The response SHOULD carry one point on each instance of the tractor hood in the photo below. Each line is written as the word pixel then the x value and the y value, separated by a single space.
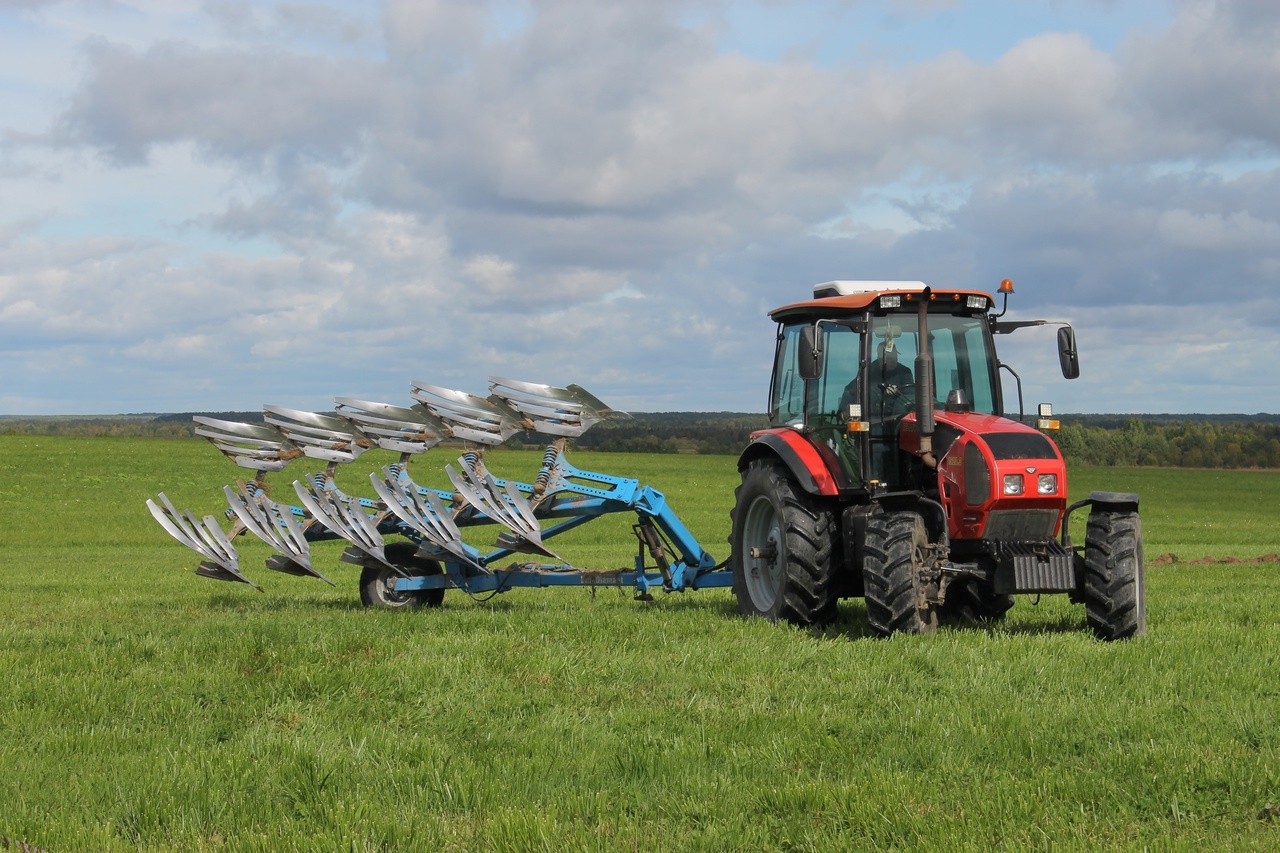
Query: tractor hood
pixel 952 425
pixel 997 478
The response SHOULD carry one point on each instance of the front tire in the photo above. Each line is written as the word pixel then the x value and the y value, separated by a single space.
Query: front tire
pixel 373 580
pixel 896 558
pixel 1115 582
pixel 781 549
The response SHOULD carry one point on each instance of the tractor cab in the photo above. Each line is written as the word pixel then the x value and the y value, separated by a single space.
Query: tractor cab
pixel 865 360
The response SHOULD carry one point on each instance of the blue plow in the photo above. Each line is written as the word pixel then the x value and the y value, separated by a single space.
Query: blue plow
pixel 428 554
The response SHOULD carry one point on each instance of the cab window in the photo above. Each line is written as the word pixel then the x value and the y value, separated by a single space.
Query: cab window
pixel 836 389
pixel 786 399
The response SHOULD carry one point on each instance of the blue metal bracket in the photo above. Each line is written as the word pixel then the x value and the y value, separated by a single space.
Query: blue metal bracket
pixel 572 497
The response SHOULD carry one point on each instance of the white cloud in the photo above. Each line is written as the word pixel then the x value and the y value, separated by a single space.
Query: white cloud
pixel 1235 232
pixel 246 105
pixel 262 200
pixel 1208 82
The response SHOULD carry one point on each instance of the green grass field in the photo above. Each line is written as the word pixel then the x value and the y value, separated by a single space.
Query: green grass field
pixel 143 708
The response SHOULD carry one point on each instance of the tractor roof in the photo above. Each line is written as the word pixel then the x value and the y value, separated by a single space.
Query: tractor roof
pixel 840 298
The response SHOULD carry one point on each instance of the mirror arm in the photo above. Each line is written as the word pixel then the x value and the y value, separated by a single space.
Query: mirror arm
pixel 1018 379
pixel 1013 325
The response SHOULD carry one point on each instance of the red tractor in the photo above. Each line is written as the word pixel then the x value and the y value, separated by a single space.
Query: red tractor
pixel 891 470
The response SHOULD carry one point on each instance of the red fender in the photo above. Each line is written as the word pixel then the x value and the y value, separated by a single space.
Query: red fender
pixel 816 472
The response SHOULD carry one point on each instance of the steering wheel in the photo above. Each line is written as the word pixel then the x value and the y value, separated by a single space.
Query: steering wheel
pixel 899 403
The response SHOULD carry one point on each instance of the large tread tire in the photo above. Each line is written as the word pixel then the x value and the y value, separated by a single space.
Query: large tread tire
pixel 970 602
pixel 373 580
pixel 1115 582
pixel 781 549
pixel 894 552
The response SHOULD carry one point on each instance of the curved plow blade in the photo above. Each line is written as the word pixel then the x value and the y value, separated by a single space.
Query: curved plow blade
pixel 277 526
pixel 424 512
pixel 345 517
pixel 261 447
pixel 320 435
pixel 479 419
pixel 205 537
pixel 506 506
pixel 413 430
pixel 554 411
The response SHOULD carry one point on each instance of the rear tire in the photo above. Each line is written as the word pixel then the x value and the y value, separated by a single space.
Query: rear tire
pixel 895 558
pixel 1115 582
pixel 781 550
pixel 373 580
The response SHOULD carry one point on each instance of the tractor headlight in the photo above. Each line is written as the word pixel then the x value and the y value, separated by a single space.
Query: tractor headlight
pixel 1047 484
pixel 1013 484
pixel 976 302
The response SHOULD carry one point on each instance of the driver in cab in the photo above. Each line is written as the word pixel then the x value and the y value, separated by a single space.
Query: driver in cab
pixel 892 384
pixel 891 381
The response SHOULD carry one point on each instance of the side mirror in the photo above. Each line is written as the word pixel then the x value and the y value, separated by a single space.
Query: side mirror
pixel 1068 358
pixel 810 353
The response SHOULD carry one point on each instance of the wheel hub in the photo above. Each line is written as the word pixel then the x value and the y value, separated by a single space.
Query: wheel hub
pixel 769 551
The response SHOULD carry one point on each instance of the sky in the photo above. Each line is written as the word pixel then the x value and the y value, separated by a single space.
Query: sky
pixel 210 206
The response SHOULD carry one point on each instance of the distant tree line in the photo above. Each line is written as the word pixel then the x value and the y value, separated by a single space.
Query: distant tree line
pixel 1188 444
pixel 122 426
pixel 668 432
pixel 1190 441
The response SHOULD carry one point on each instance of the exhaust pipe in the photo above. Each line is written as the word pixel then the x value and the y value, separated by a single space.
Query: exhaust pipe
pixel 924 384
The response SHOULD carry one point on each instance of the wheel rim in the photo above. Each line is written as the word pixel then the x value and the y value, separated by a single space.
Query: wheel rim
pixel 388 596
pixel 920 556
pixel 763 554
pixel 919 547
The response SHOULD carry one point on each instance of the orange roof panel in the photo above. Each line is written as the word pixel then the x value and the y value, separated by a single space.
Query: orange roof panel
pixel 862 297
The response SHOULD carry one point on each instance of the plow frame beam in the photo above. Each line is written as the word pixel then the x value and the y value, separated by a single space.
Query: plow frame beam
pixel 576 497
